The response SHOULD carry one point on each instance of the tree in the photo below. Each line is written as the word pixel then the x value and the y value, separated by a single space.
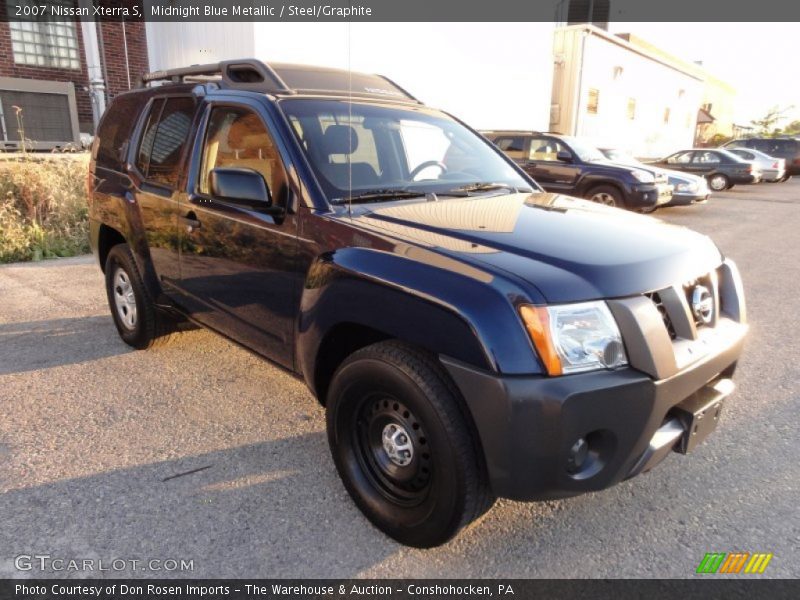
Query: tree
pixel 767 124
pixel 792 128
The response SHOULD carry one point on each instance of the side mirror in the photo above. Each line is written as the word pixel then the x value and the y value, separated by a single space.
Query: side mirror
pixel 242 186
pixel 564 156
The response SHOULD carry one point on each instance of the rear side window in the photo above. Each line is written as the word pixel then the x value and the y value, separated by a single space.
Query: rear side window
pixel 513 146
pixel 115 130
pixel 164 139
pixel 784 147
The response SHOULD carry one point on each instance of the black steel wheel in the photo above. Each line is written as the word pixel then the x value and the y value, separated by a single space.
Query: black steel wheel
pixel 405 445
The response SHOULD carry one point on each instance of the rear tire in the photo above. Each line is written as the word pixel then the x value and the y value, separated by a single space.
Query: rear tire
pixel 719 182
pixel 138 322
pixel 405 446
pixel 607 195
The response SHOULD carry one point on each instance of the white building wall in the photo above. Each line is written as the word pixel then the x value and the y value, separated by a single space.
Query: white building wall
pixel 492 76
pixel 654 87
pixel 171 45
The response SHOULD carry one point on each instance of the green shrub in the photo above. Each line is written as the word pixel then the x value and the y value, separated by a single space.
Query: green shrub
pixel 43 207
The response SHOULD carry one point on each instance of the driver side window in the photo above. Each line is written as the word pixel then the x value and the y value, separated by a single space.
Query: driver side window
pixel 236 137
pixel 545 149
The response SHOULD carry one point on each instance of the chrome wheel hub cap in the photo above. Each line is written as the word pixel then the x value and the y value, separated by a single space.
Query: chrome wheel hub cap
pixel 397 444
pixel 124 299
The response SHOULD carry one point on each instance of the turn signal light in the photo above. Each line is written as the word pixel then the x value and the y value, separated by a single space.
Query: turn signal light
pixel 536 321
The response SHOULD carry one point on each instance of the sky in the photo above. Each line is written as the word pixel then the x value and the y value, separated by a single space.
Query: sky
pixel 759 59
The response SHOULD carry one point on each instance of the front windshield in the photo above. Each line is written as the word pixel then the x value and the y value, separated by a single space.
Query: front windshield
pixel 357 149
pixel 586 152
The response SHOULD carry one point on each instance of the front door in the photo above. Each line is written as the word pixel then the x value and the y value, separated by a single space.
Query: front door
pixel 238 265
pixel 158 161
pixel 543 165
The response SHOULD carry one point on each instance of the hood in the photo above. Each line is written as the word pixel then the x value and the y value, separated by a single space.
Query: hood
pixel 568 249
pixel 659 173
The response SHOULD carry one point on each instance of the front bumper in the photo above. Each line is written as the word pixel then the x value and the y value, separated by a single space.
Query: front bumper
pixel 686 198
pixel 649 195
pixel 529 425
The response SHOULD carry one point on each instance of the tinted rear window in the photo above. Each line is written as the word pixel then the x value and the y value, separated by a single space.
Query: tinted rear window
pixel 115 131
pixel 164 139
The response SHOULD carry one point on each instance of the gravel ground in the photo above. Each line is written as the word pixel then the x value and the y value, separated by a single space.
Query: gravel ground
pixel 201 451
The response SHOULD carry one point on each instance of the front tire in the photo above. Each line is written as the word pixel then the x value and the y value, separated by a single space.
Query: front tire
pixel 607 195
pixel 719 182
pixel 404 445
pixel 138 322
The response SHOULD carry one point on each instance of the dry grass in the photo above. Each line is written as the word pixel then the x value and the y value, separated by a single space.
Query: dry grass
pixel 43 208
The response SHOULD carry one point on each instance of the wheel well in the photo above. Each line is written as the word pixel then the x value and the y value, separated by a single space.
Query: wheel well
pixel 339 343
pixel 107 239
pixel 590 187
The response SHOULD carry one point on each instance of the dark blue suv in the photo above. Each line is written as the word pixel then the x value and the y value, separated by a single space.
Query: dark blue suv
pixel 569 165
pixel 470 336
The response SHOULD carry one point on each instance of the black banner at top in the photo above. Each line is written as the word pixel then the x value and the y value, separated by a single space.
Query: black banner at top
pixel 560 11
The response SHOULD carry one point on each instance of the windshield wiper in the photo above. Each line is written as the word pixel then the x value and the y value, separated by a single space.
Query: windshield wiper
pixel 378 195
pixel 482 186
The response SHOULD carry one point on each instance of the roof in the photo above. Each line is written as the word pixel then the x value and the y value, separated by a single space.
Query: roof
pixel 284 79
pixel 704 116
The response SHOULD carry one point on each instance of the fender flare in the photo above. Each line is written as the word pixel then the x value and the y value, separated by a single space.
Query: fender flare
pixel 446 307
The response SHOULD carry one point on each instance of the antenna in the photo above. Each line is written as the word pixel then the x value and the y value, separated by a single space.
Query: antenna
pixel 351 131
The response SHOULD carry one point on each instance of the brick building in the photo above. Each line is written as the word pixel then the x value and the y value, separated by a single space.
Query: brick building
pixel 62 75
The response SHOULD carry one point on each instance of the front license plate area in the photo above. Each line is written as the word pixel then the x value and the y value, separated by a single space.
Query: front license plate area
pixel 699 415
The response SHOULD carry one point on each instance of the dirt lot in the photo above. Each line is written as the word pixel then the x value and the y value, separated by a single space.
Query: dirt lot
pixel 202 452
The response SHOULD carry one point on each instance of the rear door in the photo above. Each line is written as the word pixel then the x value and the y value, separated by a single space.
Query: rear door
pixel 705 162
pixel 156 177
pixel 238 266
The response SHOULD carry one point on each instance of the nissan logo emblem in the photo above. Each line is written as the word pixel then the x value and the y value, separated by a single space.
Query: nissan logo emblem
pixel 702 304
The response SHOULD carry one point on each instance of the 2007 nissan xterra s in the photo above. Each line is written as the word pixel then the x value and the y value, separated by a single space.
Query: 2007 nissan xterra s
pixel 470 335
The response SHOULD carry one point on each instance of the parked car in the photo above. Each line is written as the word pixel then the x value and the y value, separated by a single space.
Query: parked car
pixel 721 168
pixel 772 169
pixel 469 335
pixel 569 165
pixel 785 148
pixel 686 188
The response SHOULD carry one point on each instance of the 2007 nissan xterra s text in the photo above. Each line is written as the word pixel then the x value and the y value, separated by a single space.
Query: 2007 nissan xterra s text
pixel 470 336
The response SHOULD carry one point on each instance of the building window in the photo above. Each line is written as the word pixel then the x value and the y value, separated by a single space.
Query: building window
pixel 631 108
pixel 44 43
pixel 594 99
pixel 666 116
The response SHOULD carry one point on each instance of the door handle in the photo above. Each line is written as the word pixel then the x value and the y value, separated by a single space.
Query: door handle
pixel 190 222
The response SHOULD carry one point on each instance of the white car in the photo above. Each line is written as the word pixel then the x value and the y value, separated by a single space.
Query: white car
pixel 772 169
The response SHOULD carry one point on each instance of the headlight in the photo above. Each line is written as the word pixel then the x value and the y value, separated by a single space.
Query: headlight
pixel 643 176
pixel 686 187
pixel 571 338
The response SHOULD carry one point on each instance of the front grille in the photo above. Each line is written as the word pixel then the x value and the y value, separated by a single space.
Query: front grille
pixel 662 310
pixel 675 305
pixel 688 290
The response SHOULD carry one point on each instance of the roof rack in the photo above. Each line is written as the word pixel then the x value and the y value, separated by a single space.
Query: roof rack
pixel 243 74
pixel 256 75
